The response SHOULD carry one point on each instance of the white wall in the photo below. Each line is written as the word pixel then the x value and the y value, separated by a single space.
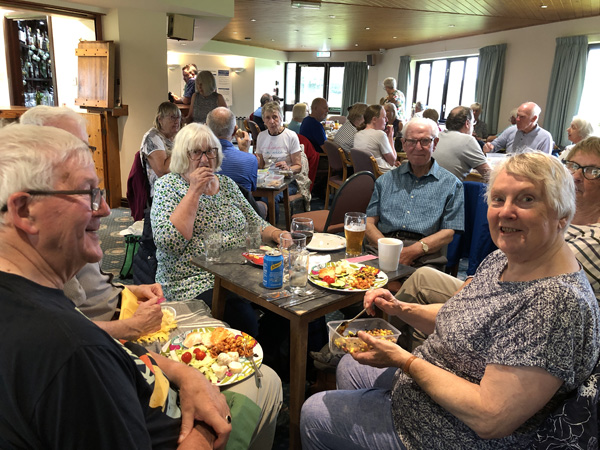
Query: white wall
pixel 139 36
pixel 529 58
pixel 267 72
pixel 66 34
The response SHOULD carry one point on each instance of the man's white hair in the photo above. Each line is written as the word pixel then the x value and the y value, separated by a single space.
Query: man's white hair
pixel 31 158
pixel 48 116
pixel 421 121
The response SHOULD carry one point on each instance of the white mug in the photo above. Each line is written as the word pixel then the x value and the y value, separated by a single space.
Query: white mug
pixel 389 253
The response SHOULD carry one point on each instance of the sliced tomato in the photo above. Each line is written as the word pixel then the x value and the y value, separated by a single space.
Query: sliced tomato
pixel 329 280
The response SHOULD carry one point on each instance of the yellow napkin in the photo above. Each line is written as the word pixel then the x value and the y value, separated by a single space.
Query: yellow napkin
pixel 129 305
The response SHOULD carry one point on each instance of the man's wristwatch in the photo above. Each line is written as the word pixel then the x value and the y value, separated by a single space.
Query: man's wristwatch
pixel 425 247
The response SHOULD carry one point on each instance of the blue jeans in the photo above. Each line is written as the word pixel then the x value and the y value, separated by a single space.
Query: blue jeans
pixel 356 416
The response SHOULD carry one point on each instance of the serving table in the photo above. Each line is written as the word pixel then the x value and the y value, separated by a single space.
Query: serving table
pixel 233 275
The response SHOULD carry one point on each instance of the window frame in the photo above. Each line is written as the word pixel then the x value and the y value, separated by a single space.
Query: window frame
pixel 287 106
pixel 449 61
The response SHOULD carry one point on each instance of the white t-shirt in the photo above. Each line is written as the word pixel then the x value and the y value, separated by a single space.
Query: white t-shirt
pixel 377 143
pixel 277 148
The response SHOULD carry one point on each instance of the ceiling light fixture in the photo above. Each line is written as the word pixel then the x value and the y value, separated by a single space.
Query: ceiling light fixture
pixel 238 69
pixel 543 6
pixel 306 4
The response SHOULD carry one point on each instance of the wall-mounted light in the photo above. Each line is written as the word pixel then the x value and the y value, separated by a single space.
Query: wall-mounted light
pixel 306 4
pixel 237 69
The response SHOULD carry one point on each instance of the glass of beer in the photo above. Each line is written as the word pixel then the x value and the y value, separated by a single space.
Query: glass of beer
pixel 355 225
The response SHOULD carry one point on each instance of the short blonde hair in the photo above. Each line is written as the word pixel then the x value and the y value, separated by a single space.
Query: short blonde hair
pixel 165 109
pixel 299 112
pixel 270 108
pixel 190 138
pixel 547 171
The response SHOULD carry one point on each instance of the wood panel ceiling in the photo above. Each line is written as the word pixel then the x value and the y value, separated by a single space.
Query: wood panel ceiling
pixel 369 25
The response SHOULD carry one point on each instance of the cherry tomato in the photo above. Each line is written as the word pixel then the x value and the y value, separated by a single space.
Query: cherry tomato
pixel 329 280
pixel 200 355
pixel 186 357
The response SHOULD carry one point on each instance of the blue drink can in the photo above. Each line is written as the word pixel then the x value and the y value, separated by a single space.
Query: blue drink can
pixel 273 270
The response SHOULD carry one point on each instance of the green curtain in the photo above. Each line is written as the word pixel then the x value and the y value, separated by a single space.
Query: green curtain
pixel 566 85
pixel 488 88
pixel 355 84
pixel 404 79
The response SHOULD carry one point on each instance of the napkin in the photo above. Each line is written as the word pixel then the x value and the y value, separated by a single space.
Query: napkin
pixel 359 259
pixel 317 260
pixel 129 305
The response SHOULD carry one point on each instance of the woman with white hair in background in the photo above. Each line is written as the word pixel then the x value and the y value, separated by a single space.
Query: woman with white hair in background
pixel 393 96
pixel 190 203
pixel 205 99
pixel 579 130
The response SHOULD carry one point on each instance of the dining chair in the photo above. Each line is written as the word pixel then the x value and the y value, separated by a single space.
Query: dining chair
pixel 353 196
pixel 363 160
pixel 313 159
pixel 252 129
pixel 337 171
pixel 340 119
pixel 475 243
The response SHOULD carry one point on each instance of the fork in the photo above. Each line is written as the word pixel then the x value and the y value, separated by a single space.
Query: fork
pixel 257 373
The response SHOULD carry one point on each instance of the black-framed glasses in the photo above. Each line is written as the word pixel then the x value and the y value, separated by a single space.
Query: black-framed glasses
pixel 589 172
pixel 211 153
pixel 425 142
pixel 96 195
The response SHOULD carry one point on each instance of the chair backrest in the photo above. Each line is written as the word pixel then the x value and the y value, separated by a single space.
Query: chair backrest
pixel 254 131
pixel 364 160
pixel 353 196
pixel 340 119
pixel 335 160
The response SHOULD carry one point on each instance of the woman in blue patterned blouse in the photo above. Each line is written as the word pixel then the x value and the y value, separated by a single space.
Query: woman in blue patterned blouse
pixel 503 353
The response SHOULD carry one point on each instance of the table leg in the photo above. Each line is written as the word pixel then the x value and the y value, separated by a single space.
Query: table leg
pixel 272 205
pixel 298 347
pixel 286 206
pixel 219 299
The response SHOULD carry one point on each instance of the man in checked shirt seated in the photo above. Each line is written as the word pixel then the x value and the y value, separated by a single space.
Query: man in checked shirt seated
pixel 419 202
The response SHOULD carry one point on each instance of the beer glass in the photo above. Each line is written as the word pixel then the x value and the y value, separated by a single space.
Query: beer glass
pixel 355 225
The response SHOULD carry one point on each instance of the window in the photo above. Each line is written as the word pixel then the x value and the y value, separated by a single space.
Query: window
pixel 306 81
pixel 443 84
pixel 588 107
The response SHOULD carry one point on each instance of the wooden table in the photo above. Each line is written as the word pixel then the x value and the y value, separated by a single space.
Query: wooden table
pixel 270 194
pixel 246 281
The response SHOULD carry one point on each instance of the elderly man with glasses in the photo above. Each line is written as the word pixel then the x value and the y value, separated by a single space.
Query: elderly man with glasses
pixel 418 202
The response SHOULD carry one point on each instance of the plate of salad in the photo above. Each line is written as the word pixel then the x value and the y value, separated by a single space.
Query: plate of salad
pixel 221 354
pixel 347 277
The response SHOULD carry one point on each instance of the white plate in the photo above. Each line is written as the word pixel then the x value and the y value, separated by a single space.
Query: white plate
pixel 380 280
pixel 229 379
pixel 326 242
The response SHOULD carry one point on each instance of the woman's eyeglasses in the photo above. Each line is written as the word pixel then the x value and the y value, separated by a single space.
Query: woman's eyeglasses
pixel 589 172
pixel 211 153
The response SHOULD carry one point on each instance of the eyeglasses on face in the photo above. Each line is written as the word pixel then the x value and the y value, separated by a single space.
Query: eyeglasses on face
pixel 174 118
pixel 96 196
pixel 589 172
pixel 211 153
pixel 425 142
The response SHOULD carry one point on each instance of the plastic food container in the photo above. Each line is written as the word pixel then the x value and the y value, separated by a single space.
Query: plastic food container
pixel 262 176
pixel 273 181
pixel 169 309
pixel 344 344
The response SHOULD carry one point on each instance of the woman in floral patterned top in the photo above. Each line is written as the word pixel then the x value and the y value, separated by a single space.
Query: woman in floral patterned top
pixel 503 352
pixel 394 96
pixel 191 202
